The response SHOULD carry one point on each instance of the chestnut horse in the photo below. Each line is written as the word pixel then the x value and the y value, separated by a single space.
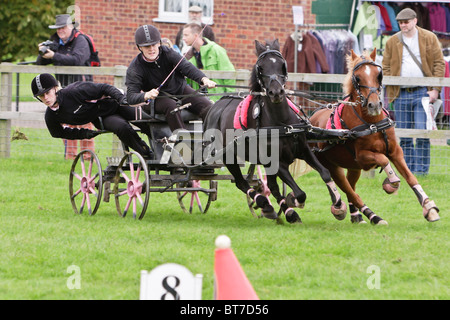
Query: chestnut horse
pixel 374 143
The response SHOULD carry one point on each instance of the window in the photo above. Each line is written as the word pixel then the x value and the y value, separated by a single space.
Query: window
pixel 176 11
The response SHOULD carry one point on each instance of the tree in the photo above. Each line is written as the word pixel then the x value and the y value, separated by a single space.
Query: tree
pixel 24 24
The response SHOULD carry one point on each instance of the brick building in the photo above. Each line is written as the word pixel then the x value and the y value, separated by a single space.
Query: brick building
pixel 236 24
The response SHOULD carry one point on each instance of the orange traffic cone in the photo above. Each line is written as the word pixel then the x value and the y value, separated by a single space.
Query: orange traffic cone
pixel 230 281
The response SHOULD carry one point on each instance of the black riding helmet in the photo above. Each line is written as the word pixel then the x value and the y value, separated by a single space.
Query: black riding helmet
pixel 147 35
pixel 42 84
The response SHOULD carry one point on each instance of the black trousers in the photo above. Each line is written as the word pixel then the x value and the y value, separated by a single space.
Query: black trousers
pixel 118 123
pixel 164 105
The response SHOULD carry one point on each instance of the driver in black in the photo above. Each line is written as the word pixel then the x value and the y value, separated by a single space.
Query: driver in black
pixel 147 74
pixel 83 102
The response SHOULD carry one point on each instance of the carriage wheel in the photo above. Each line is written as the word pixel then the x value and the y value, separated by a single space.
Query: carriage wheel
pixel 86 182
pixel 261 188
pixel 202 199
pixel 132 185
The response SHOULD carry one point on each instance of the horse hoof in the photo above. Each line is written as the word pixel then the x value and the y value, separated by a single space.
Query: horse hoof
pixel 339 212
pixel 432 215
pixel 293 217
pixel 389 187
pixel 357 219
pixel 376 220
pixel 269 213
pixel 430 211
pixel 291 201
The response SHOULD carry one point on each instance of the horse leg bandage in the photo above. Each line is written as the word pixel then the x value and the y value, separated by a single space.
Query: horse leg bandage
pixel 421 195
pixel 334 193
pixel 252 193
pixel 393 178
pixel 353 209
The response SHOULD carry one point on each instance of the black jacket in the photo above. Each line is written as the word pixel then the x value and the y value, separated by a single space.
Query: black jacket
pixel 143 76
pixel 75 52
pixel 81 103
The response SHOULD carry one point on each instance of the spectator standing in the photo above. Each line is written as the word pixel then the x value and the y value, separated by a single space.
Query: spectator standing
pixel 195 16
pixel 413 52
pixel 208 55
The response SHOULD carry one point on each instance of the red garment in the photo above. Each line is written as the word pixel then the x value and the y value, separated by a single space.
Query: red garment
pixel 241 115
pixel 385 17
pixel 311 52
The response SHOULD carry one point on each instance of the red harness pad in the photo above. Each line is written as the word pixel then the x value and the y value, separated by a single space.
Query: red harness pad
pixel 241 115
pixel 336 115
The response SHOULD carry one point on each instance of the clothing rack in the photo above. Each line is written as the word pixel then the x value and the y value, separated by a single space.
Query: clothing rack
pixel 314 25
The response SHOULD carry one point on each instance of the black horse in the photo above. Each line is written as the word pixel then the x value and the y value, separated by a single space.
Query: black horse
pixel 271 111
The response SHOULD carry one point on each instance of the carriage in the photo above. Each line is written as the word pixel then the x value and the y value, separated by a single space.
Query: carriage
pixel 131 178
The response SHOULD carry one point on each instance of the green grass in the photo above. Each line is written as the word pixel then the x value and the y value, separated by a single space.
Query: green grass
pixel 41 237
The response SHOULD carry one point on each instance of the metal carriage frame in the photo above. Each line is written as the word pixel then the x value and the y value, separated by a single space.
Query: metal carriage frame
pixel 130 180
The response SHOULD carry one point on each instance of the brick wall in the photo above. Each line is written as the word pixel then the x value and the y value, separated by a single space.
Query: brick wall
pixel 237 24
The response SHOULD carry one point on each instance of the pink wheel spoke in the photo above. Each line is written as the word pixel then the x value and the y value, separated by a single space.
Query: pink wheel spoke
pixel 92 190
pixel 83 169
pixel 83 201
pixel 91 179
pixel 124 192
pixel 76 175
pixel 124 175
pixel 132 170
pixel 91 162
pixel 128 205
pixel 183 195
pixel 138 196
pixel 134 207
pixel 199 203
pixel 138 172
pixel 76 193
pixel 89 204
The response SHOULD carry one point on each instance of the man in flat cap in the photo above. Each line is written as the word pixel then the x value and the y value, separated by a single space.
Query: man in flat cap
pixel 413 52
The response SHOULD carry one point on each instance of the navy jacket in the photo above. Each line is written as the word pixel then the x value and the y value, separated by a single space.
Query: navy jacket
pixel 80 103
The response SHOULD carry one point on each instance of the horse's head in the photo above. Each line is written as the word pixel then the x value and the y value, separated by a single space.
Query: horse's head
pixel 364 81
pixel 270 72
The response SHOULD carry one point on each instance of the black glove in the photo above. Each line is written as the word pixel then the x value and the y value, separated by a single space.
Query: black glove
pixel 123 101
pixel 92 134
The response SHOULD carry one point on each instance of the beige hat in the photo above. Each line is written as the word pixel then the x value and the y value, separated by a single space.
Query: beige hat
pixel 195 9
pixel 406 14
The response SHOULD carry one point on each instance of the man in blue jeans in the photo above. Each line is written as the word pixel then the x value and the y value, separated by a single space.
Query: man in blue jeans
pixel 413 52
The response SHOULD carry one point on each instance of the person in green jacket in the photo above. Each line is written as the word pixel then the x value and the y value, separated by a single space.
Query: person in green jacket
pixel 208 55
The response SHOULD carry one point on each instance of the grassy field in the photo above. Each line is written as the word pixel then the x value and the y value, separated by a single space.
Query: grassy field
pixel 42 238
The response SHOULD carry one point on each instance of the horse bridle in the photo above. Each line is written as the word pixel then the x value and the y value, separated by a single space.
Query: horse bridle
pixel 273 77
pixel 357 86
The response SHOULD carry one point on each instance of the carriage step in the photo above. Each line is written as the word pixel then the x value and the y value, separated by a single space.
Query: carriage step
pixel 113 161
pixel 204 171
